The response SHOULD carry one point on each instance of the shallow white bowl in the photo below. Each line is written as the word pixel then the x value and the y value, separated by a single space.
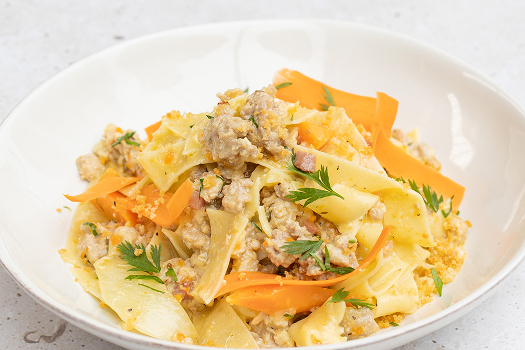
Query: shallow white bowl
pixel 477 129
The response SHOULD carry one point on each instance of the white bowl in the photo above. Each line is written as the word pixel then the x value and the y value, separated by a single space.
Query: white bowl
pixel 477 129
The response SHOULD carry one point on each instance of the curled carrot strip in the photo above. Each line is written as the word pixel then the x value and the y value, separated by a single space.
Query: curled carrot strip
pixel 103 187
pixel 272 299
pixel 309 93
pixel 180 199
pixel 238 280
pixel 152 128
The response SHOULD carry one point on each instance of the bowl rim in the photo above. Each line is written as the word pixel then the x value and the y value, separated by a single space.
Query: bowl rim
pixel 423 326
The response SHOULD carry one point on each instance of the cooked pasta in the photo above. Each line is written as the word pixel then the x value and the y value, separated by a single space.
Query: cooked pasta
pixel 260 224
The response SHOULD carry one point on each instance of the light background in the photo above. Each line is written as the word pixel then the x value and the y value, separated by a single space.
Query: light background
pixel 41 38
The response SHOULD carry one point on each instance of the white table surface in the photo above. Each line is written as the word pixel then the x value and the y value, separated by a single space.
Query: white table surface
pixel 40 38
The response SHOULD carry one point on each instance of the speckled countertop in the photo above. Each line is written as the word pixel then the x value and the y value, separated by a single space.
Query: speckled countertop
pixel 40 38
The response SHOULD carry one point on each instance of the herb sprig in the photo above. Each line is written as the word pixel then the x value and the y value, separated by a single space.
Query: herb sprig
pixel 341 295
pixel 126 137
pixel 280 86
pixel 254 122
pixel 140 262
pixel 432 201
pixel 171 272
pixel 311 194
pixel 92 227
pixel 328 97
pixel 437 281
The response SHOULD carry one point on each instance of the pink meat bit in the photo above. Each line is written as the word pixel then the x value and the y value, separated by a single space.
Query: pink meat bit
pixel 311 227
pixel 305 161
pixel 196 202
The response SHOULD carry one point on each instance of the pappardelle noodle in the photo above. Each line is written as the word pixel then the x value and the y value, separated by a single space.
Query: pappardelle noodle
pixel 266 222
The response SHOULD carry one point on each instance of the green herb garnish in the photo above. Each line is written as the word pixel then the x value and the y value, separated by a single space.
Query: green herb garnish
pixel 280 86
pixel 328 97
pixel 341 270
pixel 311 194
pixel 353 240
pixel 256 226
pixel 400 179
pixel 341 294
pixel 254 122
pixel 223 182
pixel 209 116
pixel 93 228
pixel 246 90
pixel 447 213
pixel 394 324
pixel 291 119
pixel 201 186
pixel 307 248
pixel 140 262
pixel 126 137
pixel 171 273
pixel 191 126
pixel 437 281
pixel 288 315
pixel 144 277
pixel 66 207
pixel 429 196
pixel 156 290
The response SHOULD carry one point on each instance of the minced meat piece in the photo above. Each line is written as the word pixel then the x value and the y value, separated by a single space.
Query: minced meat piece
pixel 89 167
pixel 305 161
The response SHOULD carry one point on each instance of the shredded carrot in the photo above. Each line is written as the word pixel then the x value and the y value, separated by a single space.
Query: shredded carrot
pixel 180 199
pixel 309 93
pixel 113 206
pixel 152 128
pixel 272 299
pixel 154 206
pixel 103 187
pixel 250 279
pixel 314 135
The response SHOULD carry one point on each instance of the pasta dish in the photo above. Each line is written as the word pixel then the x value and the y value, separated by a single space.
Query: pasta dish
pixel 294 215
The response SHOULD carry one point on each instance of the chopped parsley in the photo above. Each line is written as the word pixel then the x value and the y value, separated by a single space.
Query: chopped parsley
pixel 209 116
pixel 437 281
pixel 394 324
pixel 311 194
pixel 92 227
pixel 304 247
pixel 66 207
pixel 291 119
pixel 138 258
pixel 172 273
pixel 256 226
pixel 353 240
pixel 126 137
pixel 156 290
pixel 254 122
pixel 288 316
pixel 329 99
pixel 223 182
pixel 201 186
pixel 246 90
pixel 429 196
pixel 341 295
pixel 280 86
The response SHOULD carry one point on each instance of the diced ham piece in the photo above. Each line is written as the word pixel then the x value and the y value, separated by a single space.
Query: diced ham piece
pixel 311 227
pixel 305 161
pixel 196 202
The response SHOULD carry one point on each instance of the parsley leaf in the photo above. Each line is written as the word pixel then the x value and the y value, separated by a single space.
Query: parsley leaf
pixel 394 324
pixel 156 290
pixel 437 281
pixel 341 295
pixel 140 262
pixel 223 182
pixel 311 194
pixel 172 273
pixel 144 277
pixel 256 226
pixel 429 196
pixel 254 122
pixel 353 240
pixel 341 270
pixel 209 116
pixel 307 248
pixel 447 213
pixel 280 86
pixel 288 315
pixel 92 227
pixel 201 186
pixel 246 90
pixel 328 97
pixel 126 137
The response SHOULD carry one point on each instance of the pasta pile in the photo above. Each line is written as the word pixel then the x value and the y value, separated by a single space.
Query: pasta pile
pixel 264 223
